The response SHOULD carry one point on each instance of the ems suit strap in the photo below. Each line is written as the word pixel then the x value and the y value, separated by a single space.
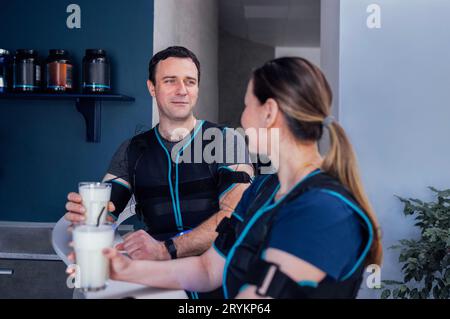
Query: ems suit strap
pixel 270 281
pixel 229 177
pixel 120 195
pixel 224 226
pixel 226 235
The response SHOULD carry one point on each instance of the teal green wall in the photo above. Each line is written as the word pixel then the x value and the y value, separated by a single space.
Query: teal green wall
pixel 43 152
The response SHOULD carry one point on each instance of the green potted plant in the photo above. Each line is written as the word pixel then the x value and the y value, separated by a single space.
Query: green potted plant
pixel 426 261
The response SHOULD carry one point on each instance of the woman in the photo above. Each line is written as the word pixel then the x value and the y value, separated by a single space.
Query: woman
pixel 305 232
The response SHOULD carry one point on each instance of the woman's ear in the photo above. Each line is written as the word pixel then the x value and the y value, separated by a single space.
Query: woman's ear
pixel 271 112
pixel 151 88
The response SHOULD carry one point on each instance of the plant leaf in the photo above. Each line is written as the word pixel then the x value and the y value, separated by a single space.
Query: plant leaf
pixel 395 293
pixel 385 294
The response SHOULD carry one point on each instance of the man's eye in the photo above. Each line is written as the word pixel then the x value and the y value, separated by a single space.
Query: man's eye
pixel 192 83
pixel 169 81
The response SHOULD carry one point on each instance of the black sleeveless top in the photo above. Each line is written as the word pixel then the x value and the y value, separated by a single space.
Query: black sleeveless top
pixel 175 190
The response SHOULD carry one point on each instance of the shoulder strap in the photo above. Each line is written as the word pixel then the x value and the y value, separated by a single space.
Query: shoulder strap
pixel 325 182
pixel 319 181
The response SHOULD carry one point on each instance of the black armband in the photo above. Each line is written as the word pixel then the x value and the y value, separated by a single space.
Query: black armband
pixel 229 177
pixel 120 195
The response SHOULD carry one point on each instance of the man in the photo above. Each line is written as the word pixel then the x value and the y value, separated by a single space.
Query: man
pixel 181 203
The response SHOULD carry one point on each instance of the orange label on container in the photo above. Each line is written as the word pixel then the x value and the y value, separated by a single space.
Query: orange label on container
pixel 59 75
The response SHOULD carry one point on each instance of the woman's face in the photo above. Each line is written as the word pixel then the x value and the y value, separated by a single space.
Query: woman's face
pixel 253 121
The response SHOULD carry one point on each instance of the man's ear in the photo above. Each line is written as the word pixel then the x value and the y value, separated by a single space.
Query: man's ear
pixel 271 112
pixel 151 88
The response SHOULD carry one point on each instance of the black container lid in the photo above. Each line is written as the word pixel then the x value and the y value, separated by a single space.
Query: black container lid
pixel 95 52
pixel 57 52
pixel 26 51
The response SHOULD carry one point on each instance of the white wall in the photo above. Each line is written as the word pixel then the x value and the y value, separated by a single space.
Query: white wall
pixel 393 102
pixel 312 53
pixel 329 45
pixel 193 24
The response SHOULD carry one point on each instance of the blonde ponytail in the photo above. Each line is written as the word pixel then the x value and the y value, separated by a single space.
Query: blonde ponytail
pixel 340 162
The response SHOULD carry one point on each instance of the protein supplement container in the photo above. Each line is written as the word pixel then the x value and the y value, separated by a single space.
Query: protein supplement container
pixel 5 67
pixel 96 72
pixel 26 71
pixel 58 69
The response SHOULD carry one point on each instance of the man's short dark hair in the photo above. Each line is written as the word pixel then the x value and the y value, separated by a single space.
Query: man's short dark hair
pixel 171 52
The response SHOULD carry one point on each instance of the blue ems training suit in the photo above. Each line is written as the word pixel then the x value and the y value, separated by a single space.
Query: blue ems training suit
pixel 321 224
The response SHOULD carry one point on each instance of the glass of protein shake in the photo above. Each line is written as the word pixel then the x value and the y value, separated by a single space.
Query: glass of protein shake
pixel 95 197
pixel 92 266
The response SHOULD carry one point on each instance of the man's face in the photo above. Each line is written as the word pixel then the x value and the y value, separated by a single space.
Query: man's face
pixel 175 87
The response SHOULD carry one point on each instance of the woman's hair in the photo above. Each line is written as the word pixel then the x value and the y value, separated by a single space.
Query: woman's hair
pixel 304 97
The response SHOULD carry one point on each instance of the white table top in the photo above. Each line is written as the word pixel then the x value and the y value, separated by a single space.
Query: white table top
pixel 120 290
pixel 114 289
